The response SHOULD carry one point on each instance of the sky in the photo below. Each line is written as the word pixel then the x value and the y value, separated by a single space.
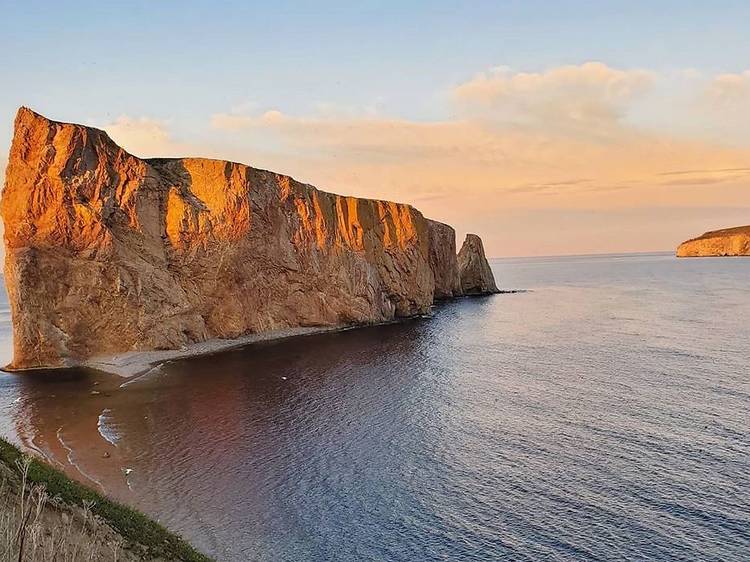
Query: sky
pixel 565 127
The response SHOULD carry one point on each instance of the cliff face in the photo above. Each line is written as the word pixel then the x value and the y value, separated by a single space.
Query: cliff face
pixel 474 270
pixel 106 252
pixel 727 242
pixel 443 260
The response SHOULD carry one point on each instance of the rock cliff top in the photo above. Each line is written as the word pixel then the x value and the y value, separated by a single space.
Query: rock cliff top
pixel 109 253
pixel 726 242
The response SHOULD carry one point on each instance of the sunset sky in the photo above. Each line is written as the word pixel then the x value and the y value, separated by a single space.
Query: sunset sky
pixel 545 127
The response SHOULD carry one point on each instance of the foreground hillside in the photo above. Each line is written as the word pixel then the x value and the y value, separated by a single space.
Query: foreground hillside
pixel 46 516
pixel 726 242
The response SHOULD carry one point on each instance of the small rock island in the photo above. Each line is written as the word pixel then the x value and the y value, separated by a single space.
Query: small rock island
pixel 726 242
pixel 108 253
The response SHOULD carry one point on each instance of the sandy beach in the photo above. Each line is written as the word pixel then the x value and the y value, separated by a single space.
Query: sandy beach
pixel 136 363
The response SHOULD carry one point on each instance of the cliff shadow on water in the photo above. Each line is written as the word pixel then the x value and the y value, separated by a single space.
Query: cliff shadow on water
pixel 105 431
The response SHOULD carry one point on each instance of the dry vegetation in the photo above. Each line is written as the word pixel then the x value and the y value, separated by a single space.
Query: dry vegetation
pixel 34 526
pixel 46 516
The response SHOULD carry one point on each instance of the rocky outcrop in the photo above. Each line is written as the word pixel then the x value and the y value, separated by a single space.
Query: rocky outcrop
pixel 443 260
pixel 727 242
pixel 107 252
pixel 474 270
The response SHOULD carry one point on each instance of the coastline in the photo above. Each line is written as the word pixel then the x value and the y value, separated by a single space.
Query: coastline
pixel 135 364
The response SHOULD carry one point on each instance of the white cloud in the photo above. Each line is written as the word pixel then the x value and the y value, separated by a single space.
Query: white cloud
pixel 587 98
pixel 721 110
pixel 143 136
pixel 730 90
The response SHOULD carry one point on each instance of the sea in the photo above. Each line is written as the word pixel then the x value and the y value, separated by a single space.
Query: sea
pixel 602 412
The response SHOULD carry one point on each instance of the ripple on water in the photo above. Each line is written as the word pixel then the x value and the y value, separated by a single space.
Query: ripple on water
pixel 602 415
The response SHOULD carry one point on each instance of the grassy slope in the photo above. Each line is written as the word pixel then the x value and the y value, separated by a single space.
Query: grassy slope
pixel 129 523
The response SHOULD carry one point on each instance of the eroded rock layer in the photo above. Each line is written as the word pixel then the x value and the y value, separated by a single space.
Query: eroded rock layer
pixel 106 252
pixel 443 260
pixel 727 242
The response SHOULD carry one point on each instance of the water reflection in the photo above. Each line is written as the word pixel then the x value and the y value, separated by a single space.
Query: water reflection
pixel 57 417
pixel 601 415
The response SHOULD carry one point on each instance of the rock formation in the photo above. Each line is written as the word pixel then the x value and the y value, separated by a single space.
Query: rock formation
pixel 443 260
pixel 474 271
pixel 107 252
pixel 727 242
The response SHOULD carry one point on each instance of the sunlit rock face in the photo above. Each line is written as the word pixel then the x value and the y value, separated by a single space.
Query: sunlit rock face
pixel 474 270
pixel 107 252
pixel 727 242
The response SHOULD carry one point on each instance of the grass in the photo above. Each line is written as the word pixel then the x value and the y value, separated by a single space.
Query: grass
pixel 129 523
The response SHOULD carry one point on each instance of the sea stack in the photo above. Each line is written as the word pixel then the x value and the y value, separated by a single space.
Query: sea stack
pixel 727 242
pixel 106 252
pixel 474 270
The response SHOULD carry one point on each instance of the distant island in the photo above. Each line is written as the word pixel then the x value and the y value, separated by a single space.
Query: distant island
pixel 726 242
pixel 109 254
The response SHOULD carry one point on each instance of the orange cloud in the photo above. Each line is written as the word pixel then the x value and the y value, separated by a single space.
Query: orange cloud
pixel 730 89
pixel 557 140
pixel 139 134
pixel 589 98
pixel 144 136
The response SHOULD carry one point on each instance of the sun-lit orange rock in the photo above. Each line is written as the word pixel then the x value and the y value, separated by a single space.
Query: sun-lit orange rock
pixel 726 242
pixel 107 252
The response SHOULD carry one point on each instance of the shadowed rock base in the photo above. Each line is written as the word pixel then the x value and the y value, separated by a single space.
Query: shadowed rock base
pixel 108 253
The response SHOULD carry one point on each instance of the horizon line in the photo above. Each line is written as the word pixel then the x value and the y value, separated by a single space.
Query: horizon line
pixel 593 254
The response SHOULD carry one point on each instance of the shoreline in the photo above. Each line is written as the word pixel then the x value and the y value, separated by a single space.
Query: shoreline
pixel 135 364
pixel 132 365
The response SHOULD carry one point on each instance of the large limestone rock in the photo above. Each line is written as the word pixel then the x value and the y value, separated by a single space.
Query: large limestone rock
pixel 475 273
pixel 107 252
pixel 727 242
pixel 443 260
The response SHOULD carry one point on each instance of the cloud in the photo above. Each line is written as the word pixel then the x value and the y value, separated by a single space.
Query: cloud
pixel 704 177
pixel 727 90
pixel 705 180
pixel 721 110
pixel 719 171
pixel 367 137
pixel 529 143
pixel 550 187
pixel 143 136
pixel 587 98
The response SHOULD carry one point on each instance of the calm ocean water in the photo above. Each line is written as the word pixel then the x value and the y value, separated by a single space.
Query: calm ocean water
pixel 602 415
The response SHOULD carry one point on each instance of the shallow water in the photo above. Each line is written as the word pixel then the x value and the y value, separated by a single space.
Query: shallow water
pixel 601 415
